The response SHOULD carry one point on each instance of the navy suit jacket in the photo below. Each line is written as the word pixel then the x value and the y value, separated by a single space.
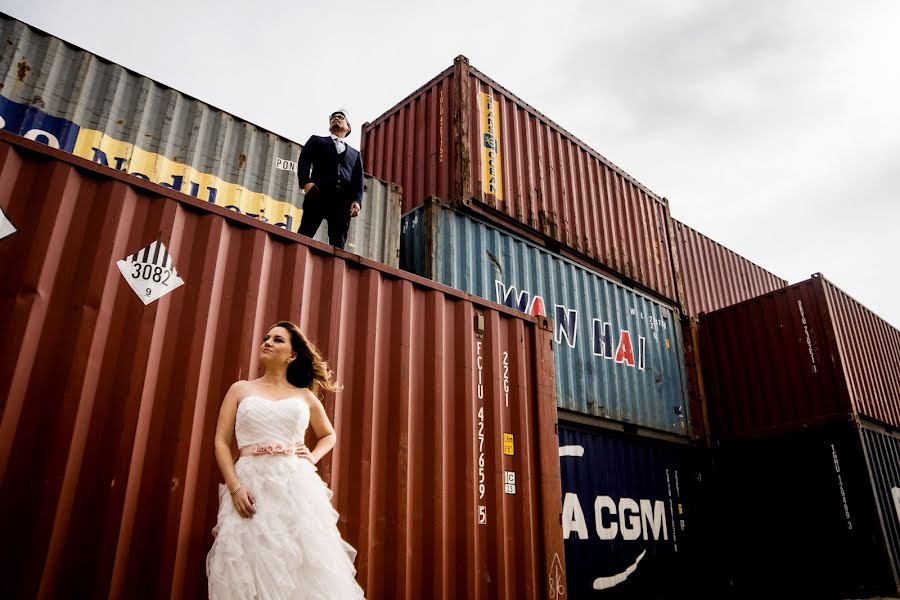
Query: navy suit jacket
pixel 321 164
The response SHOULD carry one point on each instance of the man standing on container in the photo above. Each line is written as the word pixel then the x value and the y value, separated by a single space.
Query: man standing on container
pixel 331 174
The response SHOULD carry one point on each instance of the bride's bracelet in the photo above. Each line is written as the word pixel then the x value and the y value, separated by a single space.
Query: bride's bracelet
pixel 236 488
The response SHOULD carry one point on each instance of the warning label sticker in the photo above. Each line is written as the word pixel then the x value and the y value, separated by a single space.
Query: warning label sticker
pixel 509 448
pixel 150 272
pixel 6 226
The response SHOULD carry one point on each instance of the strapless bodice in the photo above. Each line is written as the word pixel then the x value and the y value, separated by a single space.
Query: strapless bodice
pixel 261 421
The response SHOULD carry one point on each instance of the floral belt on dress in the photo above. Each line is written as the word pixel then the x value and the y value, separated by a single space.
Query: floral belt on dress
pixel 273 448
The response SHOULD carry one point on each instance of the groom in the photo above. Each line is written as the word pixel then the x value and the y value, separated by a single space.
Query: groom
pixel 331 174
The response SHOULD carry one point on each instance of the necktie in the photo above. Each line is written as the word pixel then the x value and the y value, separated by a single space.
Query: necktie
pixel 339 144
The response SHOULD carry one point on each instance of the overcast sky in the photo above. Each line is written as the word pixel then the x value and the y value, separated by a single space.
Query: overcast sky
pixel 772 126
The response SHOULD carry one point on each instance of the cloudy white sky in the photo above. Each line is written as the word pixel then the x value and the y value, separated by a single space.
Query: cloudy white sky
pixel 772 126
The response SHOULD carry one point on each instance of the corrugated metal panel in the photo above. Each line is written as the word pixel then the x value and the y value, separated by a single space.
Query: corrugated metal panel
pixel 109 406
pixel 413 144
pixel 68 98
pixel 712 276
pixel 883 457
pixel 870 355
pixel 798 520
pixel 554 187
pixel 375 233
pixel 802 355
pixel 629 515
pixel 618 353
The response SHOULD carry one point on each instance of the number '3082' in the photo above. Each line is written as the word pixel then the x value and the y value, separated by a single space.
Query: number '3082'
pixel 150 272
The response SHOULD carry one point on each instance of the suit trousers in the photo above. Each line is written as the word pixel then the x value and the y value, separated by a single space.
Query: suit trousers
pixel 331 207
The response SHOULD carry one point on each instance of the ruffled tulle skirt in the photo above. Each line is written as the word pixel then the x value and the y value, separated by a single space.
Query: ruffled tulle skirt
pixel 291 548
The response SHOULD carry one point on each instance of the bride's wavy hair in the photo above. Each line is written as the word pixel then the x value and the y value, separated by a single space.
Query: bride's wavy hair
pixel 309 369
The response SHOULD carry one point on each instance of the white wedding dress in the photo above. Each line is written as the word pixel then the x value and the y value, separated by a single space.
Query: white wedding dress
pixel 291 548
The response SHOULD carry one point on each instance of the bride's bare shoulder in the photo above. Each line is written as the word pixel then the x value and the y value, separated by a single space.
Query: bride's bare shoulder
pixel 241 388
pixel 311 399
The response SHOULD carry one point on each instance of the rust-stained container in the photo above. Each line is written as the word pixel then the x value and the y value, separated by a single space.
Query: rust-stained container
pixel 464 138
pixel 68 98
pixel 446 472
pixel 712 277
pixel 803 355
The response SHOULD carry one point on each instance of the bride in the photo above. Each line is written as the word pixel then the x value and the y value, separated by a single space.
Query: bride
pixel 276 535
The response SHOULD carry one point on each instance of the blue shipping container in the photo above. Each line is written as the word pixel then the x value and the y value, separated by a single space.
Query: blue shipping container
pixel 629 515
pixel 619 354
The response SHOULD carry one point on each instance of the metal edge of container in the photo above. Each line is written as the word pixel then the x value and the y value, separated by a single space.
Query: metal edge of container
pixel 638 431
pixel 462 117
pixel 675 257
pixel 550 476
pixel 818 283
pixel 698 407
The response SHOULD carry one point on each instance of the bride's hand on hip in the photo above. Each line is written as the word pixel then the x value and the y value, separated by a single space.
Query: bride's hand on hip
pixel 304 452
pixel 244 502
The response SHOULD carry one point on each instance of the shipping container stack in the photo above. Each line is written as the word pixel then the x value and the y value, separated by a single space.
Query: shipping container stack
pixel 501 202
pixel 803 390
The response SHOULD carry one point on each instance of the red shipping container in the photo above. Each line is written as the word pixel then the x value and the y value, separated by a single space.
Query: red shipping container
pixel 801 356
pixel 465 139
pixel 710 276
pixel 108 405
